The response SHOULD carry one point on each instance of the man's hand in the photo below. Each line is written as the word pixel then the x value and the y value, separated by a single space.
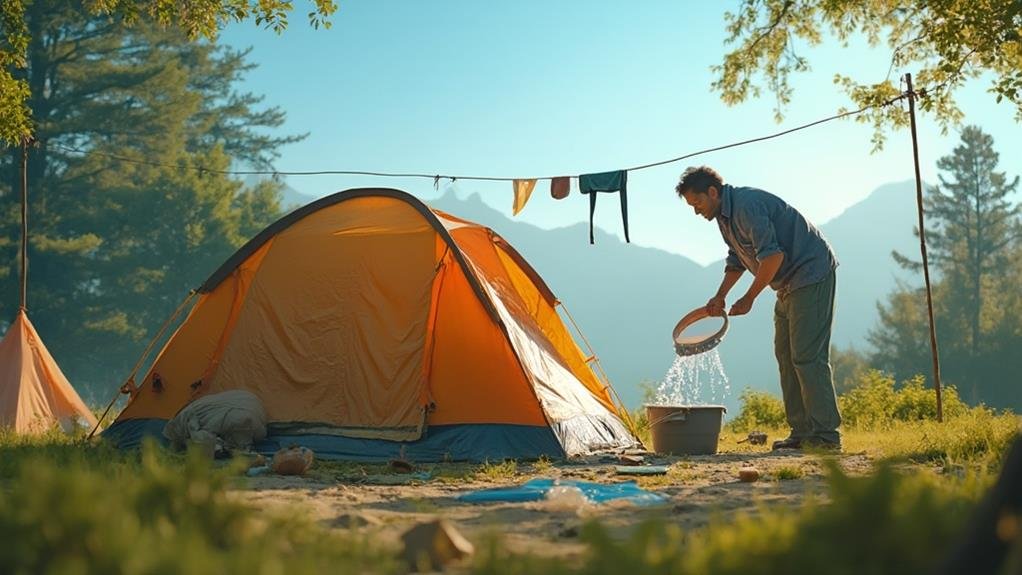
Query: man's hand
pixel 715 306
pixel 742 306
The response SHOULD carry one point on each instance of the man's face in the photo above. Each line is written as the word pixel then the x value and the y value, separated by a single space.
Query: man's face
pixel 706 205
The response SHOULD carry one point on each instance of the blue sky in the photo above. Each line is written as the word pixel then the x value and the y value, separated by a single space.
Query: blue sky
pixel 534 88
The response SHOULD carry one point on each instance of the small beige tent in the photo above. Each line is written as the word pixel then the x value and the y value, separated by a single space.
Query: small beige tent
pixel 34 394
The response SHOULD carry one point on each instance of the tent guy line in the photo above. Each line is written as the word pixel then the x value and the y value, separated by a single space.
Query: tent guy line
pixel 437 177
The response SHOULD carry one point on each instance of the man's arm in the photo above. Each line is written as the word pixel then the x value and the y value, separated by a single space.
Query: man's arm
pixel 764 275
pixel 754 221
pixel 716 304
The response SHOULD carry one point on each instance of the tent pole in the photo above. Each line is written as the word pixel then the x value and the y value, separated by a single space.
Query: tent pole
pixel 24 223
pixel 606 380
pixel 922 247
pixel 128 387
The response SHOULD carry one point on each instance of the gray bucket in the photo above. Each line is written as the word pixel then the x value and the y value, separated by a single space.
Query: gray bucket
pixel 685 429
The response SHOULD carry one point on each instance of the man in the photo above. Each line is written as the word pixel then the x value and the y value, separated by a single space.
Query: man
pixel 783 250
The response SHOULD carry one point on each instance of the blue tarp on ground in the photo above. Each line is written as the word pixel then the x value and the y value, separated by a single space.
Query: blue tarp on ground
pixel 130 433
pixel 536 489
pixel 475 442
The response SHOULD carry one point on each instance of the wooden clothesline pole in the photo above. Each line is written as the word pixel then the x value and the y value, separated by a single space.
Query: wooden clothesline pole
pixel 922 247
pixel 24 224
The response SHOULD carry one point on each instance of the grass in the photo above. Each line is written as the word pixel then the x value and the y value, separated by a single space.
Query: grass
pixel 506 470
pixel 679 473
pixel 890 420
pixel 90 511
pixel 55 447
pixel 787 472
pixel 542 466
pixel 978 437
pixel 454 472
pixel 67 506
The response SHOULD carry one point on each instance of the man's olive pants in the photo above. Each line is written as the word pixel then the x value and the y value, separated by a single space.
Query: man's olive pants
pixel 802 325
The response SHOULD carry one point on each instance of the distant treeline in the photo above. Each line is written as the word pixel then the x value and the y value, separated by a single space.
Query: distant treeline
pixel 974 240
pixel 115 245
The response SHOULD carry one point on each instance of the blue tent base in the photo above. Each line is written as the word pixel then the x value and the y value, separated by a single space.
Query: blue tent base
pixel 469 442
pixel 536 489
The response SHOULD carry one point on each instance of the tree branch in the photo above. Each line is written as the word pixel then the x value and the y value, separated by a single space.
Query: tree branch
pixel 768 30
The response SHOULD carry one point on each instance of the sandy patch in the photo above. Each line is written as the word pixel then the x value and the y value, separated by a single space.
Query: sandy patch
pixel 373 497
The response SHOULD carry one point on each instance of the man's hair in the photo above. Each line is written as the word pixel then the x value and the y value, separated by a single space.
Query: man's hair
pixel 698 179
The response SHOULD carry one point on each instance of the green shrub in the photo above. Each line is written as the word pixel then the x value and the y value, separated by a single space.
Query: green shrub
pixel 639 417
pixel 759 410
pixel 158 516
pixel 877 402
pixel 641 421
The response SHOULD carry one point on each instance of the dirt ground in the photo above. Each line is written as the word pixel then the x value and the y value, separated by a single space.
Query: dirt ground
pixel 381 499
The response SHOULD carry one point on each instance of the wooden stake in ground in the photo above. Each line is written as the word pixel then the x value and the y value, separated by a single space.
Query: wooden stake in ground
pixel 922 246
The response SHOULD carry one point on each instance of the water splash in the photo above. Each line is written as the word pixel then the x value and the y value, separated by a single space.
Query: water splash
pixel 694 380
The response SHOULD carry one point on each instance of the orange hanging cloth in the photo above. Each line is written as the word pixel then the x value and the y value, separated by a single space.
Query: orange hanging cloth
pixel 523 189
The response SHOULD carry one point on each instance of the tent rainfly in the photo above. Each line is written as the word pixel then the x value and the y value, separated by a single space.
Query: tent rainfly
pixel 372 327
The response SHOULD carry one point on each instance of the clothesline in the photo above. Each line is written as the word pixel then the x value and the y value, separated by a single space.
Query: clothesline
pixel 437 177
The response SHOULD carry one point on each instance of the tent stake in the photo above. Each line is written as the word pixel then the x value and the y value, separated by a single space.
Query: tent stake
pixel 922 247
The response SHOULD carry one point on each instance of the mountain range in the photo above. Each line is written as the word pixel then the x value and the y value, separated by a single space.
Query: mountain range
pixel 627 298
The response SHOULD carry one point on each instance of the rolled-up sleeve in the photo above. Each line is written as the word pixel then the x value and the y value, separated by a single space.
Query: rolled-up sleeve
pixel 732 263
pixel 754 221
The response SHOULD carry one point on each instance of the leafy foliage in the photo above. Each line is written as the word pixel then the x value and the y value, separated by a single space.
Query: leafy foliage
pixel 948 42
pixel 197 20
pixel 877 403
pixel 848 365
pixel 639 416
pixel 900 339
pixel 759 410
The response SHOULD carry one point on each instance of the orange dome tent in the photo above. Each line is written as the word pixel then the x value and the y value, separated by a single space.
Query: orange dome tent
pixel 369 326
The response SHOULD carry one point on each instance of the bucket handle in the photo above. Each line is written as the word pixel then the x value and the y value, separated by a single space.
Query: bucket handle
pixel 679 415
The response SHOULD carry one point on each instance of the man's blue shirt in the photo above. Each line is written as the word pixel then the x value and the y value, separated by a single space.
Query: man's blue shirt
pixel 756 224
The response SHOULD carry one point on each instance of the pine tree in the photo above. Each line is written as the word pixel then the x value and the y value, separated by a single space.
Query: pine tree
pixel 122 221
pixel 974 225
pixel 972 234
pixel 900 339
